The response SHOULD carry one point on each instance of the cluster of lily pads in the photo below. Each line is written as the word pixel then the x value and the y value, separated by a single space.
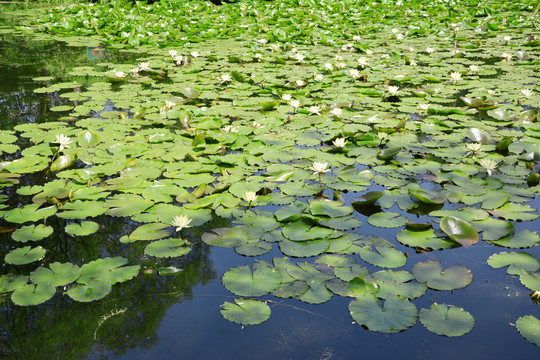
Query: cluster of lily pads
pixel 434 115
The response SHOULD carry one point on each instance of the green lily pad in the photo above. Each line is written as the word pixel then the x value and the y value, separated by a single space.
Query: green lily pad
pixel 383 256
pixel 95 289
pixel 245 311
pixel 398 283
pixel 387 154
pixel 82 209
pixel 63 162
pixel 445 320
pixel 127 205
pixel 33 294
pixel 518 262
pixel 424 239
pixel 368 198
pixel 152 231
pixel 333 209
pixel 83 229
pixel 167 248
pixel 459 230
pixel 25 255
pixel 29 213
pixel 427 196
pixel 32 233
pixel 304 248
pixel 108 269
pixel 226 237
pixel 521 239
pixel 394 316
pixel 243 282
pixel 9 283
pixel 353 288
pixel 431 272
pixel 58 274
pixel 88 138
pixel 531 281
pixel 387 220
pixel 301 231
pixel 529 327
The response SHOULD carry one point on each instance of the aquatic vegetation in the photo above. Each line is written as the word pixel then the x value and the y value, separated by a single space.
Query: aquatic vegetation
pixel 187 134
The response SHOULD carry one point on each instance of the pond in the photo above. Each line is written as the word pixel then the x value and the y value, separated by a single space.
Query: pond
pixel 162 205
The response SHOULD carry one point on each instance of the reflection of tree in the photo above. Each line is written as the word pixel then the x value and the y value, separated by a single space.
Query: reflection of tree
pixel 64 329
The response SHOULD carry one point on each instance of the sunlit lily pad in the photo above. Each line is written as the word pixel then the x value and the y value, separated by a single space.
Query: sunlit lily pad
pixel 108 269
pixel 243 281
pixel 446 320
pixel 167 248
pixel 518 262
pixel 459 230
pixel 427 196
pixel 529 327
pixel 387 220
pixel 398 283
pixel 424 239
pixel 394 316
pixel 95 289
pixel 245 311
pixel 301 231
pixel 29 213
pixel 32 294
pixel 83 229
pixel 58 274
pixel 383 256
pixel 304 248
pixel 521 239
pixel 32 233
pixel 25 255
pixel 431 272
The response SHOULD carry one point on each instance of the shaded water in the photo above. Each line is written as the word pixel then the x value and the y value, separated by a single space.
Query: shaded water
pixel 153 317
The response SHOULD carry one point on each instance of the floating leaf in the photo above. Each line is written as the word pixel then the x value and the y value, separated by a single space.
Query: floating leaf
pixel 301 231
pixel 396 315
pixel 459 230
pixel 428 197
pixel 521 239
pixel 32 233
pixel 32 294
pixel 397 283
pixel 333 209
pixel 383 256
pixel 108 269
pixel 151 231
pixel 387 220
pixel 245 311
pixel 95 289
pixel 244 282
pixel 83 229
pixel 368 198
pixel 25 255
pixel 58 274
pixel 29 213
pixel 445 320
pixel 88 138
pixel 167 248
pixel 518 262
pixel 529 327
pixel 431 272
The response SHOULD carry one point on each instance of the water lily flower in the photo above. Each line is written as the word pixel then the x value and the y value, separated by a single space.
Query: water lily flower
pixel 393 90
pixel 169 104
pixel 134 71
pixel 527 92
pixel 319 77
pixel 506 57
pixel 354 73
pixel 299 57
pixel 225 78
pixel 410 49
pixel 473 148
pixel 63 140
pixel 399 36
pixel 173 53
pixel 119 74
pixel 362 61
pixel 340 66
pixel 356 38
pixel 382 136
pixel 319 168
pixel 195 54
pixel 489 165
pixel 295 104
pixel 412 63
pixel 369 52
pixel 339 58
pixel 258 56
pixel 314 110
pixel 229 129
pixel 262 41
pixel 144 66
pixel 337 112
pixel 430 50
pixel 423 107
pixel 339 142
pixel 274 47
pixel 286 97
pixel 347 47
pixel 300 83
pixel 395 31
pixel 491 92
pixel 250 196
pixel 455 76
pixel 473 68
pixel 507 38
pixel 257 125
pixel 181 222
pixel 328 67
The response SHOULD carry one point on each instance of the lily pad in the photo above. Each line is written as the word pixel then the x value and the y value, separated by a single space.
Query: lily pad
pixel 395 315
pixel 95 289
pixel 32 233
pixel 83 229
pixel 445 320
pixel 459 230
pixel 58 274
pixel 108 269
pixel 243 281
pixel 431 272
pixel 529 327
pixel 25 255
pixel 387 220
pixel 383 256
pixel 518 262
pixel 167 248
pixel 245 311
pixel 33 294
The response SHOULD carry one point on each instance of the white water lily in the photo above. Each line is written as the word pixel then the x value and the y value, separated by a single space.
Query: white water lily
pixel 134 71
pixel 369 52
pixel 229 129
pixel 257 125
pixel 339 58
pixel 506 57
pixel 319 168
pixel 225 78
pixel 319 77
pixel 144 66
pixel 63 140
pixel 473 68
pixel 262 41
pixel 314 110
pixel 395 31
pixel 473 148
pixel 299 57
pixel 169 104
pixel 181 222
pixel 195 54
pixel 423 107
pixel 286 97
pixel 300 83
pixel 430 50
pixel 354 73
pixel 119 74
pixel 258 56
pixel 489 165
pixel 491 92
pixel 339 142
pixel 347 47
pixel 250 196
pixel 337 112
pixel 527 92
pixel 455 76
pixel 393 90
pixel 362 61
pixel 507 38
pixel 295 104
pixel 399 36
pixel 173 53
pixel 410 49
pixel 382 136
pixel 356 38
pixel 340 66
pixel 328 67
pixel 412 63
